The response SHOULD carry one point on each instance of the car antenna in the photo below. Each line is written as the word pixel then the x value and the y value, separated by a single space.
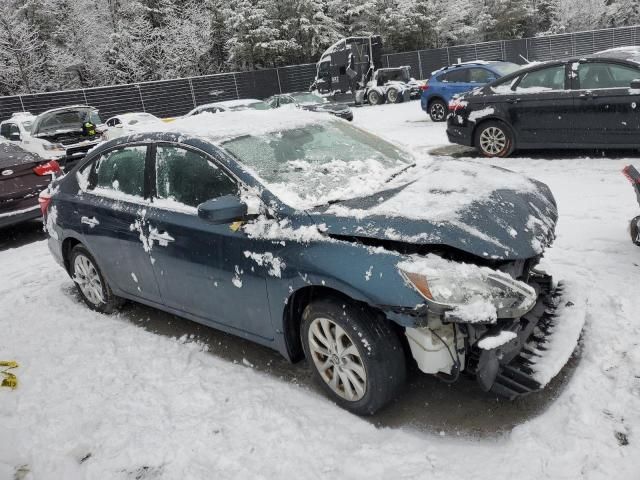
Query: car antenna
pixel 524 58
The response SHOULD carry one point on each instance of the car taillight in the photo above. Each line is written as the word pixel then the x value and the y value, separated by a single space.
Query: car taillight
pixel 44 199
pixel 424 87
pixel 456 104
pixel 48 168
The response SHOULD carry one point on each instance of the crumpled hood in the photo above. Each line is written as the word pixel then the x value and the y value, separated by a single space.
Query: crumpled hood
pixel 466 213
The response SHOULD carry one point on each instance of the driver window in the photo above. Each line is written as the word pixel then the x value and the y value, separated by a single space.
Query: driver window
pixel 551 78
pixel 189 178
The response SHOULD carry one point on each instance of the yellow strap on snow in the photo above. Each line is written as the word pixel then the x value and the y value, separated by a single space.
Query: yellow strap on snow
pixel 9 380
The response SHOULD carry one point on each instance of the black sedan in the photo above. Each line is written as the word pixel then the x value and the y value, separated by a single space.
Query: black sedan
pixel 312 102
pixel 23 176
pixel 589 102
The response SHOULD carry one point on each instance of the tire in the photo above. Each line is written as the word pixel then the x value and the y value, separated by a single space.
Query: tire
pixel 375 98
pixel 358 350
pixel 91 284
pixel 393 96
pixel 438 110
pixel 494 139
pixel 635 230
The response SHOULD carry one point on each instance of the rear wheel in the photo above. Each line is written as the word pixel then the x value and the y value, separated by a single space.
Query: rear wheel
pixel 92 286
pixel 374 97
pixel 354 355
pixel 393 96
pixel 494 139
pixel 635 230
pixel 438 110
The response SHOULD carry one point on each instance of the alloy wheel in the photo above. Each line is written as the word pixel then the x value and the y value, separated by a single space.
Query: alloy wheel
pixel 337 359
pixel 392 95
pixel 493 140
pixel 437 112
pixel 88 279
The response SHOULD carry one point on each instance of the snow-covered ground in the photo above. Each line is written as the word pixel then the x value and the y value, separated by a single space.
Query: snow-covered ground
pixel 101 398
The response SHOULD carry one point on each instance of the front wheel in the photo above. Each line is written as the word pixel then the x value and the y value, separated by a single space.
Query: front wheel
pixel 92 286
pixel 354 355
pixel 635 230
pixel 438 111
pixel 494 139
pixel 374 97
pixel 393 96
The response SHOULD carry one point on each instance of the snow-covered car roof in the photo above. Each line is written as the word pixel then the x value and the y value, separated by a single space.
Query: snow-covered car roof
pixel 218 127
pixel 632 54
pixel 139 116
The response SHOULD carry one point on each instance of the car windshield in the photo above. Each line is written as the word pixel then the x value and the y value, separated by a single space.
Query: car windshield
pixel 320 163
pixel 506 68
pixel 309 98
pixel 259 105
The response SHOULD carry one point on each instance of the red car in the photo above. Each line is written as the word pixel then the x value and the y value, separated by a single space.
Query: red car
pixel 23 176
pixel 634 177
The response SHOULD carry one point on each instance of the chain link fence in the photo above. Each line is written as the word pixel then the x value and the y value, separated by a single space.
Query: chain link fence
pixel 168 98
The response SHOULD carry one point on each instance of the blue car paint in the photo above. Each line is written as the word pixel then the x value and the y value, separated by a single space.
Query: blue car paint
pixel 446 91
pixel 193 276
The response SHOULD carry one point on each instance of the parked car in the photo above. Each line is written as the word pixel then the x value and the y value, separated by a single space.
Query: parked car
pixel 63 132
pixel 23 175
pixel 308 235
pixel 17 130
pixel 230 106
pixel 453 80
pixel 634 177
pixel 312 102
pixel 587 102
pixel 129 123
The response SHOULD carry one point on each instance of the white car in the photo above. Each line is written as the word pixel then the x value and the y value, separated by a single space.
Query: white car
pixel 129 123
pixel 17 130
pixel 230 106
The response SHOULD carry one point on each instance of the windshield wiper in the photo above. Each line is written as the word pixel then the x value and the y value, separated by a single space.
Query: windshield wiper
pixel 399 172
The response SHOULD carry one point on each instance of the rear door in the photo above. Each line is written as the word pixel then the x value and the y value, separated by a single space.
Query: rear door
pixel 609 111
pixel 113 212
pixel 454 82
pixel 205 269
pixel 540 106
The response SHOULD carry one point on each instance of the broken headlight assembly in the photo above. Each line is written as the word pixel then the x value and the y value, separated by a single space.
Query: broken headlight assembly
pixel 468 292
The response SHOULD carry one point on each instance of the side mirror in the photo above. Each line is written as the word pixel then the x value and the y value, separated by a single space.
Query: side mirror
pixel 221 210
pixel 14 136
pixel 635 84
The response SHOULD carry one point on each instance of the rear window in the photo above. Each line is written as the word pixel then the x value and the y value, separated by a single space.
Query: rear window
pixel 456 76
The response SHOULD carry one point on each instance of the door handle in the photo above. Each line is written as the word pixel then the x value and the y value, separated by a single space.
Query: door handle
pixel 163 238
pixel 587 95
pixel 92 222
pixel 513 100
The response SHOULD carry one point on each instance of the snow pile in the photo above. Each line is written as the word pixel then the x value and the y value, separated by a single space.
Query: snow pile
pixel 273 229
pixel 495 341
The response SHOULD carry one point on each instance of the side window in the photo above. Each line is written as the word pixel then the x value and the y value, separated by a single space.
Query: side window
pixel 189 178
pixel 551 78
pixel 480 75
pixel 606 75
pixel 119 171
pixel 4 130
pixel 456 76
pixel 113 122
pixel 285 100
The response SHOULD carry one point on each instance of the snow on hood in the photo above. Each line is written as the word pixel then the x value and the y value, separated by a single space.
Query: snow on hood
pixel 483 210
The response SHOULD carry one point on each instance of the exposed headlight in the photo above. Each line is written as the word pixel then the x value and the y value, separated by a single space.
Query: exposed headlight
pixel 467 292
pixel 54 147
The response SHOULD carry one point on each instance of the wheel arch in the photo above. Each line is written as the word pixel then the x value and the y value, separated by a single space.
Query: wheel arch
pixel 67 245
pixel 435 97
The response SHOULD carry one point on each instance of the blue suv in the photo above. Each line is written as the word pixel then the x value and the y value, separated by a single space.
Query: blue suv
pixel 449 81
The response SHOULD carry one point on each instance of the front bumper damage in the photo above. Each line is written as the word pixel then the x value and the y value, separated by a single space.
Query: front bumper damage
pixel 539 344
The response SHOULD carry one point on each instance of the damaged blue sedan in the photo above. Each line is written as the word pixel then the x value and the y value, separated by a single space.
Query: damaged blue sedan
pixel 303 233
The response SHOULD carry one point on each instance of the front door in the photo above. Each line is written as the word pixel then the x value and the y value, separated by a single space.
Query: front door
pixel 205 269
pixel 541 107
pixel 609 111
pixel 112 213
